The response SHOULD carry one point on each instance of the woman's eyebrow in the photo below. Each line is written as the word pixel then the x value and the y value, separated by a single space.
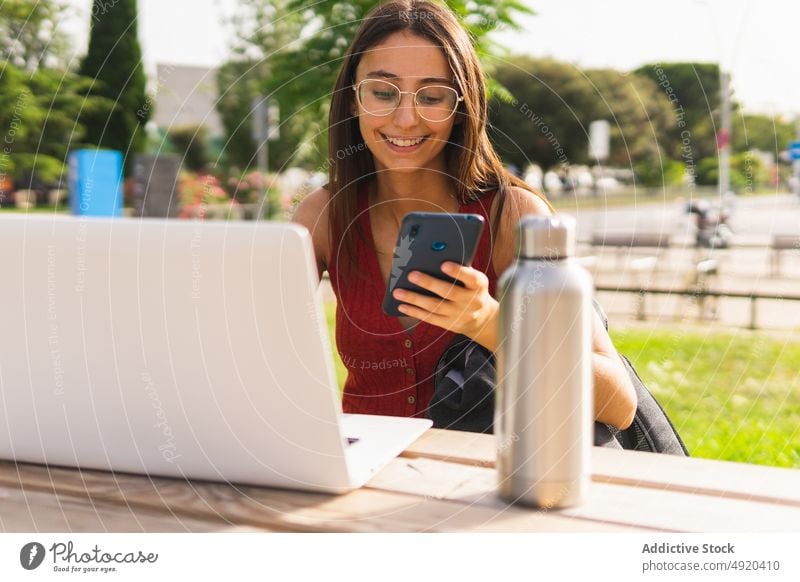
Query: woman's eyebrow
pixel 387 75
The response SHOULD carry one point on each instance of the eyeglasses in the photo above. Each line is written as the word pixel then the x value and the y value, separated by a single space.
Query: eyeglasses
pixel 432 102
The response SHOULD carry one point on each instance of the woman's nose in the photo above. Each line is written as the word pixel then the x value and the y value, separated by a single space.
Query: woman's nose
pixel 406 113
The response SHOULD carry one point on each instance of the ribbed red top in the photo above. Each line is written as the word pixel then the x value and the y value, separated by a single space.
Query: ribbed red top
pixel 390 371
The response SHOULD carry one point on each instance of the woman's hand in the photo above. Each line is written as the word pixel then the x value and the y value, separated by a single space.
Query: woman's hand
pixel 470 310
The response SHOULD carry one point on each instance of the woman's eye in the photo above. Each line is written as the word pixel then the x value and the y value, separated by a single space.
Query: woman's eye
pixel 384 95
pixel 429 100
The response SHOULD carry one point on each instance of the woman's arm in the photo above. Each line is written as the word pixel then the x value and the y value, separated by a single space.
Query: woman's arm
pixel 472 311
pixel 312 212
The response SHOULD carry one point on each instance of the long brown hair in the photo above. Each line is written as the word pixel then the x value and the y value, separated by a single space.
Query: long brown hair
pixel 470 158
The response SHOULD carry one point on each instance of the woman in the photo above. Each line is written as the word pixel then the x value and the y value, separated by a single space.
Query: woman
pixel 407 132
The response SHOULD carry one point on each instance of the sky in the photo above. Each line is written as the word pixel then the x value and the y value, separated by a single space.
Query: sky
pixel 757 41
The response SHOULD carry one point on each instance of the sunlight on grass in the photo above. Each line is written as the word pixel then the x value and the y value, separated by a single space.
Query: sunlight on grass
pixel 732 396
pixel 330 316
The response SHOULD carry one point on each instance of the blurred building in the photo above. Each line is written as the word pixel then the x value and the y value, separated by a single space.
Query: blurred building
pixel 186 95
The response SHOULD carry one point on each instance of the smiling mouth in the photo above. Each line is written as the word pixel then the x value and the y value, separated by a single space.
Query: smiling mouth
pixel 404 142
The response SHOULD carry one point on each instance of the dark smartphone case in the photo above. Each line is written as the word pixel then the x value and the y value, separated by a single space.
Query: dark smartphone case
pixel 425 241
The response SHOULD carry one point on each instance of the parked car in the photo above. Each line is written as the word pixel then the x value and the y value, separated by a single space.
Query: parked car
pixel 553 184
pixel 533 177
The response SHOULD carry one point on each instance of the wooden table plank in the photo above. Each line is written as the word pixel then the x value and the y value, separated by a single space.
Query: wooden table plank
pixel 444 482
pixel 645 470
pixel 454 446
pixel 619 504
pixel 364 510
pixel 701 476
pixel 32 511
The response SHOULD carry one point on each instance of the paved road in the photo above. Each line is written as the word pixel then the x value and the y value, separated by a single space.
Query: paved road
pixel 748 270
pixel 754 219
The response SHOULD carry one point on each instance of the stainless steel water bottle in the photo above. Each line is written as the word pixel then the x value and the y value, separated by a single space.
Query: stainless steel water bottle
pixel 543 413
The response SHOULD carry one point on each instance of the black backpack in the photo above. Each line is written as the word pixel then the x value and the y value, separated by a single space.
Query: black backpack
pixel 463 399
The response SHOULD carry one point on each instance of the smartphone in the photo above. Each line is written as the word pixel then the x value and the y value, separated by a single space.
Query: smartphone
pixel 425 241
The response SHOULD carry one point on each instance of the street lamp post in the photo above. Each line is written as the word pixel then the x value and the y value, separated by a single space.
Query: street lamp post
pixel 796 160
pixel 265 129
pixel 724 135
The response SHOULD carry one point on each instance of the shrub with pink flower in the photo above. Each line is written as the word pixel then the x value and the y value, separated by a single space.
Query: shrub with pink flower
pixel 247 188
pixel 197 192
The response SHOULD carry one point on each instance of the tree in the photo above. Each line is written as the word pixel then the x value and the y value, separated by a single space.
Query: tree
pixel 303 45
pixel 40 112
pixel 547 120
pixel 643 128
pixel 114 60
pixel 747 172
pixel 694 90
pixel 30 36
pixel 191 143
pixel 761 132
pixel 554 103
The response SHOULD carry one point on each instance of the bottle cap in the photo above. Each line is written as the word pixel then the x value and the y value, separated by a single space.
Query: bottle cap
pixel 546 237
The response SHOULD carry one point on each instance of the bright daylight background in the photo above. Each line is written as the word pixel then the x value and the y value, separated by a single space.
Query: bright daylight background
pixel 756 41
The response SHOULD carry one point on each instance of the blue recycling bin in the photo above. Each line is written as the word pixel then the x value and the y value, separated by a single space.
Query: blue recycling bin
pixel 95 182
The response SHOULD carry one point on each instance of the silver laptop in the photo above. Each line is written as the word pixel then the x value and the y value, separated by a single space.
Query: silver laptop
pixel 181 349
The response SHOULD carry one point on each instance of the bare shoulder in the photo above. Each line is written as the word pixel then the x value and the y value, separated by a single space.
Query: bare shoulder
pixel 313 206
pixel 519 202
pixel 312 212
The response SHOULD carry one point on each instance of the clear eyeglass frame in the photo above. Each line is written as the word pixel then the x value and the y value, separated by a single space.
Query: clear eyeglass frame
pixel 417 106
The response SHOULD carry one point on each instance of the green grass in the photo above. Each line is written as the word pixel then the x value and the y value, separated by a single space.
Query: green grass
pixel 330 317
pixel 38 210
pixel 732 396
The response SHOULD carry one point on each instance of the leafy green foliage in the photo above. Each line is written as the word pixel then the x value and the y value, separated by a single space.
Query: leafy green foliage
pixel 651 173
pixel 191 142
pixel 747 172
pixel 761 132
pixel 642 122
pixel 292 51
pixel 114 60
pixel 554 103
pixel 696 89
pixel 546 122
pixel 30 35
pixel 38 115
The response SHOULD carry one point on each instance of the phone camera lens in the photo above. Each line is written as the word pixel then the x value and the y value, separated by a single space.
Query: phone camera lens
pixel 414 230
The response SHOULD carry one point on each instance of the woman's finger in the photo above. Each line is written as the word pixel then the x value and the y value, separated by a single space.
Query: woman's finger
pixel 471 277
pixel 444 289
pixel 431 304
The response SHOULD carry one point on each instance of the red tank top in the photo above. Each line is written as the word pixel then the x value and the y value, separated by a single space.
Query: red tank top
pixel 390 371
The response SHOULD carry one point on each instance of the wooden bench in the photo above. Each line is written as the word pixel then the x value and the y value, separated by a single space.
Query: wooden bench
pixel 780 243
pixel 698 280
pixel 633 240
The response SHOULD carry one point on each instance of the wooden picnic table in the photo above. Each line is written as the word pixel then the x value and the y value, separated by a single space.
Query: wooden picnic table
pixel 445 481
